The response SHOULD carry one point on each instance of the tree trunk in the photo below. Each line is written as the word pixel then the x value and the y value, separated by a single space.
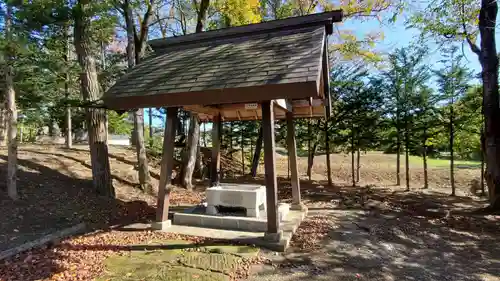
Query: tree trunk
pixel 194 122
pixel 96 118
pixel 140 148
pixel 483 157
pixel 407 154
pixel 133 135
pixel 327 148
pixel 310 162
pixel 11 113
pixel 398 141
pixel 398 162
pixel 312 151
pixel 3 122
pixel 309 133
pixel 489 63
pixel 251 147
pixel 242 153
pixel 256 156
pixel 452 156
pixel 199 162
pixel 230 137
pixel 150 117
pixel 358 164
pixel 138 115
pixel 353 172
pixel 69 135
pixel 424 158
pixel 204 135
pixel 192 149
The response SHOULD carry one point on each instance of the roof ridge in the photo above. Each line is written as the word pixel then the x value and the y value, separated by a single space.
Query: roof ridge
pixel 326 18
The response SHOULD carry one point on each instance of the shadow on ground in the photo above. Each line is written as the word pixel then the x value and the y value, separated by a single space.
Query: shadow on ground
pixel 50 201
pixel 374 233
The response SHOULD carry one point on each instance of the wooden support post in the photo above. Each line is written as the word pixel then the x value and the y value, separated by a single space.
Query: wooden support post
pixel 215 163
pixel 167 165
pixel 273 232
pixel 292 154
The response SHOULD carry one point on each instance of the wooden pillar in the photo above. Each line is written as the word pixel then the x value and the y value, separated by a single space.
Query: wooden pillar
pixel 292 154
pixel 167 165
pixel 270 165
pixel 215 163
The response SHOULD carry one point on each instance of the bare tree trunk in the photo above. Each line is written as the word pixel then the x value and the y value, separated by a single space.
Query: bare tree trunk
pixel 69 135
pixel 3 122
pixel 256 156
pixel 352 158
pixel 327 148
pixel 199 162
pixel 309 133
pixel 204 135
pixel 96 118
pixel 192 149
pixel 483 157
pixel 138 115
pixel 358 164
pixel 230 137
pixel 11 113
pixel 312 151
pixel 407 155
pixel 398 144
pixel 242 154
pixel 140 148
pixel 489 63
pixel 310 162
pixel 424 158
pixel 452 156
pixel 194 123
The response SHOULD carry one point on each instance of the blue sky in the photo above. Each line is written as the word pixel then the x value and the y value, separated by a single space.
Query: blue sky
pixel 397 35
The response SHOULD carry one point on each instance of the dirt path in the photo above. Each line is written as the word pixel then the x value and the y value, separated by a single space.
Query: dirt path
pixel 391 236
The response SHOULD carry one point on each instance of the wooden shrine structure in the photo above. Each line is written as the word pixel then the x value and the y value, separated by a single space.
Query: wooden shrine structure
pixel 266 71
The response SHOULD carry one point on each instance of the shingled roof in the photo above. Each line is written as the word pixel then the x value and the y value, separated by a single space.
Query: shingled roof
pixel 281 59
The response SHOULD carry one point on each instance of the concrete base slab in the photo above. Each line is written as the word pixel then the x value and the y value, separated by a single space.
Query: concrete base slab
pixel 273 237
pixel 288 226
pixel 241 223
pixel 299 207
pixel 161 225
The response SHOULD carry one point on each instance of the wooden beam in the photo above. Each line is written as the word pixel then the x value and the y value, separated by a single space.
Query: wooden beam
pixel 209 110
pixel 167 165
pixel 215 162
pixel 292 154
pixel 270 166
pixel 307 103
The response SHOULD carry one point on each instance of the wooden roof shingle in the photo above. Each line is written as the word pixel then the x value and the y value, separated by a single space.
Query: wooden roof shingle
pixel 243 64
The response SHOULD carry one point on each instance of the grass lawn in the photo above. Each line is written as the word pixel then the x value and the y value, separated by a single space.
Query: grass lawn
pixel 438 163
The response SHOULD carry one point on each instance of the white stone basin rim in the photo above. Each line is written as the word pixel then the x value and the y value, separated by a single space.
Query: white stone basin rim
pixel 240 187
pixel 250 197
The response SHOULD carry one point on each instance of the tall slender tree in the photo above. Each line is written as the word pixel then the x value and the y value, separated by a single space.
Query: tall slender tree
pixel 194 122
pixel 83 12
pixel 10 95
pixel 452 21
pixel 453 82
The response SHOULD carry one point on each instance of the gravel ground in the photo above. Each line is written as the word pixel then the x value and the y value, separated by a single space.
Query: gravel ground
pixel 391 236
